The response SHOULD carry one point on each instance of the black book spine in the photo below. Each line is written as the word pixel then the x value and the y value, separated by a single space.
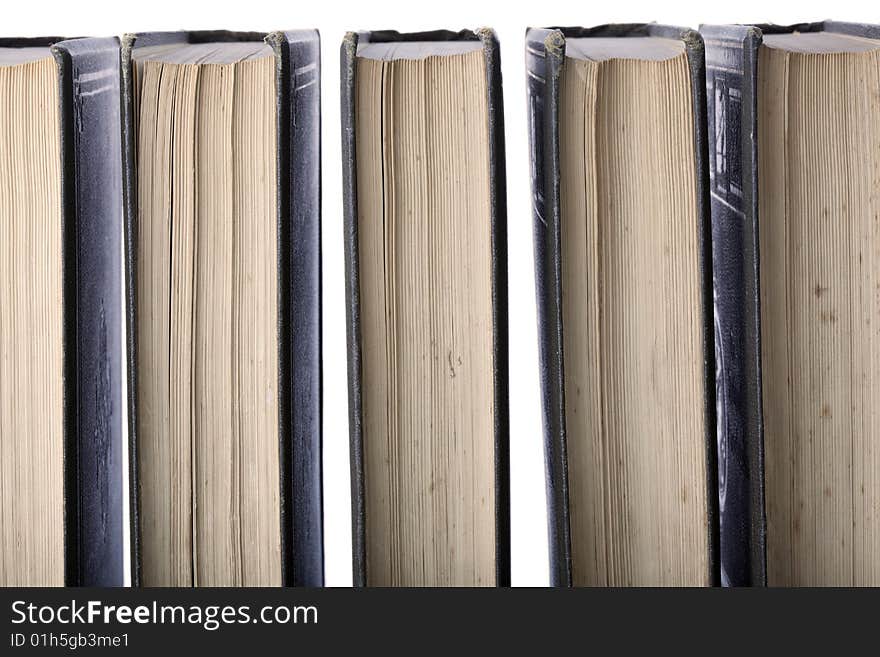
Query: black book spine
pixel 299 188
pixel 545 51
pixel 348 81
pixel 731 73
pixel 92 254
pixel 129 187
pixel 498 212
pixel 696 55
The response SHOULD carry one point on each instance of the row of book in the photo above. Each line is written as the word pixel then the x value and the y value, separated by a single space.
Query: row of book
pixel 707 396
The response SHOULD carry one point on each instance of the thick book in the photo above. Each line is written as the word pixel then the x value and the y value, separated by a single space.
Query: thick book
pixel 793 160
pixel 61 307
pixel 426 304
pixel 624 297
pixel 223 225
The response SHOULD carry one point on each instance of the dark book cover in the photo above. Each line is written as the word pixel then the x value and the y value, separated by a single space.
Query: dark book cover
pixel 545 59
pixel 731 87
pixel 91 188
pixel 298 116
pixel 498 211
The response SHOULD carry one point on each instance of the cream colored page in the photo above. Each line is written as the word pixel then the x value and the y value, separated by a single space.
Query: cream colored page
pixel 207 303
pixel 426 322
pixel 819 162
pixel 164 445
pixel 634 393
pixel 255 325
pixel 31 430
pixel 579 242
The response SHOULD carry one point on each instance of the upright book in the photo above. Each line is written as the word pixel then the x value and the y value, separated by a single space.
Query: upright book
pixel 222 182
pixel 426 288
pixel 623 268
pixel 795 160
pixel 61 499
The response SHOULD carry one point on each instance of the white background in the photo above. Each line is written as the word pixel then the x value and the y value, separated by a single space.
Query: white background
pixel 333 19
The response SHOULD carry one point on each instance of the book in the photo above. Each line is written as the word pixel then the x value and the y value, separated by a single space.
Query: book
pixel 222 182
pixel 61 512
pixel 623 280
pixel 426 290
pixel 794 160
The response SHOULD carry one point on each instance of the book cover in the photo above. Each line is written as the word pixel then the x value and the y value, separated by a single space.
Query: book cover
pixel 545 60
pixel 732 93
pixel 431 43
pixel 91 238
pixel 298 179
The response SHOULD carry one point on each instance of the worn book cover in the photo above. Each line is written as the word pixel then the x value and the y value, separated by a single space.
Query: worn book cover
pixel 91 232
pixel 620 49
pixel 735 78
pixel 293 181
pixel 439 549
